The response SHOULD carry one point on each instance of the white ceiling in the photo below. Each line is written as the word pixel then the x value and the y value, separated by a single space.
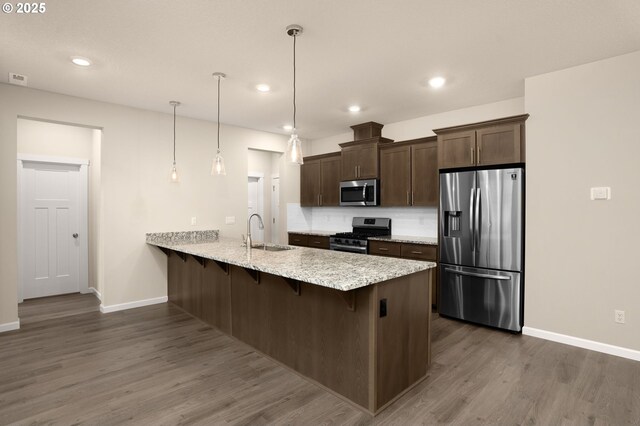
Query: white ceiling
pixel 376 53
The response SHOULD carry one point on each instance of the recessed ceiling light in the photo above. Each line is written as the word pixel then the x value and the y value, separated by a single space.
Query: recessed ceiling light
pixel 287 127
pixel 263 88
pixel 80 61
pixel 354 108
pixel 437 82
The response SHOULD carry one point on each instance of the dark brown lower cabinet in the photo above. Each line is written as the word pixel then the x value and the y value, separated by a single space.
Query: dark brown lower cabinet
pixel 367 345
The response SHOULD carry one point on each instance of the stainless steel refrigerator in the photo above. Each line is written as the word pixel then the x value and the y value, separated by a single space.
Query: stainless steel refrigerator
pixel 481 246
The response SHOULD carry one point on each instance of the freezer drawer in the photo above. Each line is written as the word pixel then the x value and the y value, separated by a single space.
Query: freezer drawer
pixel 482 296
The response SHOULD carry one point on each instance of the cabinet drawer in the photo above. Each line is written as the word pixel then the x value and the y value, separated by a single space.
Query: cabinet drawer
pixel 419 251
pixel 318 242
pixel 298 240
pixel 383 248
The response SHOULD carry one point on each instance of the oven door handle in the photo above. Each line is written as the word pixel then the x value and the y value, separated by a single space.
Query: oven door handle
pixel 349 248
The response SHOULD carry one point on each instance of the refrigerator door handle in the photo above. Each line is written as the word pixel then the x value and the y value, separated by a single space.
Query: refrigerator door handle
pixel 477 218
pixel 471 219
pixel 477 275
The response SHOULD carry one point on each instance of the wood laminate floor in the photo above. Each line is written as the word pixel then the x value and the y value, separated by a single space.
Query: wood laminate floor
pixel 70 364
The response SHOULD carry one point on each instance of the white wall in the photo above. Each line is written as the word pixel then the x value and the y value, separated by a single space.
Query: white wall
pixel 423 126
pixel 581 255
pixel 136 197
pixel 59 140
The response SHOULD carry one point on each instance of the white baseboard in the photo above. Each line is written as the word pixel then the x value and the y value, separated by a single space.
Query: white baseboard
pixel 10 326
pixel 582 343
pixel 96 292
pixel 130 305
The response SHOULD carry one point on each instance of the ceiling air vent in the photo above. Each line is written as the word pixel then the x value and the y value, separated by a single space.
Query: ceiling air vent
pixel 17 79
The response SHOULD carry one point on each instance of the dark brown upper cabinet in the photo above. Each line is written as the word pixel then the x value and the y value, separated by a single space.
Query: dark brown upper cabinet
pixel 409 173
pixel 487 143
pixel 320 180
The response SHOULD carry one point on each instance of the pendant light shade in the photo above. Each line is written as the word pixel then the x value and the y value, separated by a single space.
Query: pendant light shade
pixel 294 146
pixel 174 171
pixel 217 168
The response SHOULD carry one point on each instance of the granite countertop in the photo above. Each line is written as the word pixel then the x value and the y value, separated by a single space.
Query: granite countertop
pixel 334 269
pixel 431 241
pixel 314 233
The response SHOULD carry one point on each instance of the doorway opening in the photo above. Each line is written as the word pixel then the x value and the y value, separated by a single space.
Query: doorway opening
pixel 263 189
pixel 58 204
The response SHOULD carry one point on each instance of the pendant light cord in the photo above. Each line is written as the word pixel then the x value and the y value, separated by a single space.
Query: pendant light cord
pixel 174 133
pixel 294 81
pixel 218 113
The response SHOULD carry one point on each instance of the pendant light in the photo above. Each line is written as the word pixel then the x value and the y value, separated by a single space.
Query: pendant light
pixel 294 146
pixel 174 171
pixel 217 168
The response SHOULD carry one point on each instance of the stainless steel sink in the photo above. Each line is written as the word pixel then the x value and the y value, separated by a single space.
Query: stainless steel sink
pixel 270 248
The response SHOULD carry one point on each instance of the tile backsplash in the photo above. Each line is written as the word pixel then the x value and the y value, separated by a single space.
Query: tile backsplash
pixel 415 221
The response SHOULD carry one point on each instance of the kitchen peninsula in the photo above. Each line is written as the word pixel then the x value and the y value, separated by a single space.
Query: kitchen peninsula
pixel 356 325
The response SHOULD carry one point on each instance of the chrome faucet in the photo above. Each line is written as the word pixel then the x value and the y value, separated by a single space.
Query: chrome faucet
pixel 260 225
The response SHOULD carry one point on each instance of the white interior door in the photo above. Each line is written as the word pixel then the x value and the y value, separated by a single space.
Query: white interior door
pixel 254 204
pixel 275 208
pixel 53 231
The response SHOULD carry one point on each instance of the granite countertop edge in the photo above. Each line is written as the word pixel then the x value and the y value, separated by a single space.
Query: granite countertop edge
pixel 349 271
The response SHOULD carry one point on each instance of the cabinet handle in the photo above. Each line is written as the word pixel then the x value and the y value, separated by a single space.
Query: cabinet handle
pixel 408 199
pixel 383 249
pixel 412 198
pixel 321 200
pixel 472 155
pixel 416 252
pixel 355 170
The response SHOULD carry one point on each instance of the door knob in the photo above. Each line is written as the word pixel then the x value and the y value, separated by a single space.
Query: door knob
pixel 75 235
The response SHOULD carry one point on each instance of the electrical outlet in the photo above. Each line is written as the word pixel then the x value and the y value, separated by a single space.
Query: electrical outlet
pixel 619 316
pixel 194 221
pixel 601 193
pixel 230 220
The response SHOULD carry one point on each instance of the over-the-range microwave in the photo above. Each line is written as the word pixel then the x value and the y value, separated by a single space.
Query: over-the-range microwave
pixel 359 193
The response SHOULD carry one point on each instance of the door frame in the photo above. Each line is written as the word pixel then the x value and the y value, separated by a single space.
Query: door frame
pixel 260 209
pixel 83 216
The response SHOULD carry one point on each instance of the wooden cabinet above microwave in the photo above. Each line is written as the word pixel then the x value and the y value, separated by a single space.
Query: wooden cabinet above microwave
pixel 360 159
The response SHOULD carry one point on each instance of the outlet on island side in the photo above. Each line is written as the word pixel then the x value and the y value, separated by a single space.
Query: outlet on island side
pixel 194 220
pixel 619 316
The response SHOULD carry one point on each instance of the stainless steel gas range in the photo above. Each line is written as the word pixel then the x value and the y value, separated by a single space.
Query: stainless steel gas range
pixel 357 241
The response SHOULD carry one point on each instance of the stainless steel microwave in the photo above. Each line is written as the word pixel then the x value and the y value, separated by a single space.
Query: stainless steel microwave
pixel 359 193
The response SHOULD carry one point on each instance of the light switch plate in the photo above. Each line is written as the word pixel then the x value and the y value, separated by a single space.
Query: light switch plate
pixel 601 193
pixel 230 220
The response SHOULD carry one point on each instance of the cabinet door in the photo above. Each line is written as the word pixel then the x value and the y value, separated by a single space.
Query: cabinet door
pixel 192 294
pixel 298 240
pixel 424 174
pixel 310 183
pixel 456 149
pixel 318 241
pixel 350 161
pixel 385 248
pixel 499 145
pixel 395 176
pixel 368 164
pixel 330 172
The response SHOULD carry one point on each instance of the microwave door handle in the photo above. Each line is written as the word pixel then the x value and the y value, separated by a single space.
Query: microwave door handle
pixel 364 194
